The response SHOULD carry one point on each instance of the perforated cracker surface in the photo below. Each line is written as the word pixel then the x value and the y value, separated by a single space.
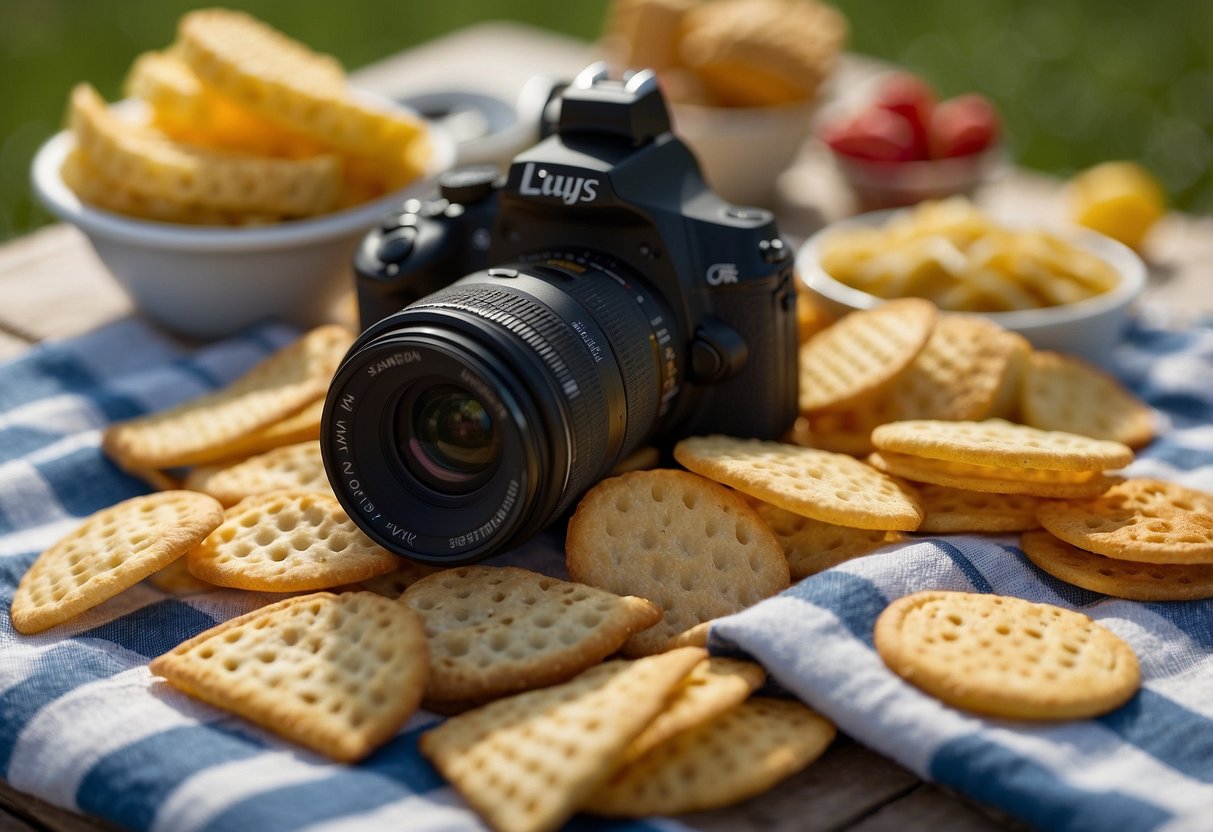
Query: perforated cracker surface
pixel 689 545
pixel 958 374
pixel 1006 656
pixel 528 762
pixel 499 630
pixel 953 510
pixel 1031 481
pixel 862 353
pixel 394 583
pixel 996 442
pixel 1063 393
pixel 829 487
pixel 204 429
pixel 294 467
pixel 337 673
pixel 1120 578
pixel 288 541
pixel 741 753
pixel 1138 519
pixel 811 545
pixel 715 685
pixel 111 550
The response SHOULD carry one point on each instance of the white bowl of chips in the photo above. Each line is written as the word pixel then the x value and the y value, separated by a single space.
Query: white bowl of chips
pixel 208 281
pixel 1092 280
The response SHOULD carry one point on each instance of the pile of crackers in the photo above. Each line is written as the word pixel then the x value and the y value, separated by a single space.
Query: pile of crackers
pixel 597 694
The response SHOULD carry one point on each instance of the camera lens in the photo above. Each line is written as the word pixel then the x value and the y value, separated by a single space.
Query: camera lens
pixel 464 424
pixel 446 437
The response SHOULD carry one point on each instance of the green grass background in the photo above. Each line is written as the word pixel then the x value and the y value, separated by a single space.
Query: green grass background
pixel 1077 81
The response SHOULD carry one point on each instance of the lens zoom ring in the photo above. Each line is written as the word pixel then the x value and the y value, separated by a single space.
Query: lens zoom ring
pixel 560 348
pixel 626 322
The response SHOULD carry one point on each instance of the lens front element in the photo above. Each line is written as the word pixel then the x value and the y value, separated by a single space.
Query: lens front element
pixel 447 437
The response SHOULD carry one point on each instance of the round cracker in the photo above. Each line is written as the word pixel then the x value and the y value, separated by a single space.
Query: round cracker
pixel 812 546
pixel 496 631
pixel 1006 657
pixel 293 467
pixel 1063 393
pixel 689 545
pixel 288 541
pixel 832 488
pixel 1138 519
pixel 1118 578
pixel 959 510
pixel 1036 483
pixel 110 551
pixel 996 442
pixel 862 353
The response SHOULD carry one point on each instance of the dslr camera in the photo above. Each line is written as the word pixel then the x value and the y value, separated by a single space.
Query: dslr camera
pixel 524 336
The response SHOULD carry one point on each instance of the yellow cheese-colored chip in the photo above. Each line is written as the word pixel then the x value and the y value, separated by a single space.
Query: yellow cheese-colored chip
pixel 263 70
pixel 154 166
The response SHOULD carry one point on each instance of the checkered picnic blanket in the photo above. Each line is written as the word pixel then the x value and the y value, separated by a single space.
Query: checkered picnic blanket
pixel 84 725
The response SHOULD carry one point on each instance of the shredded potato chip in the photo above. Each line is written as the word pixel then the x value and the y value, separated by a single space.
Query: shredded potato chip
pixel 951 253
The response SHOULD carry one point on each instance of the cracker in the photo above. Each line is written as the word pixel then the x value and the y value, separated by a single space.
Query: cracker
pixel 337 673
pixel 955 510
pixel 294 468
pixel 1138 519
pixel 1063 393
pixel 689 545
pixel 157 168
pixel 205 429
pixel 176 579
pixel 527 763
pixel 1118 578
pixel 494 631
pixel 1006 657
pixel 812 546
pixel 829 487
pixel 272 75
pixel 958 374
pixel 996 442
pixel 110 551
pixel 759 53
pixel 741 753
pixel 862 353
pixel 715 685
pixel 987 478
pixel 394 583
pixel 640 459
pixel 288 541
pixel 301 426
pixel 842 432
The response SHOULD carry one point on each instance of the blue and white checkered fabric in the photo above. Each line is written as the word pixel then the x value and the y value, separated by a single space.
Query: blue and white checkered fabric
pixel 84 726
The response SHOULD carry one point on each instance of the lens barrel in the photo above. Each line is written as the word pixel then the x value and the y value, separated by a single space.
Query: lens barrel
pixel 464 424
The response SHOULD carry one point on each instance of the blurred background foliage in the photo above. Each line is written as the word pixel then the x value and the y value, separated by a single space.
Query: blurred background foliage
pixel 1077 81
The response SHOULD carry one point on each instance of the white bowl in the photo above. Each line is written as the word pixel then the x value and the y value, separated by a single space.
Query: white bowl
pixel 742 150
pixel 1087 328
pixel 206 281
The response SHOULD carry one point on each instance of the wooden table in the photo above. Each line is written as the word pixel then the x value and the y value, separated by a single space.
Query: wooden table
pixel 52 286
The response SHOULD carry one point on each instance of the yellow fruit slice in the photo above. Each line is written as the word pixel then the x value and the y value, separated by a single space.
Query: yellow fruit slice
pixel 1119 199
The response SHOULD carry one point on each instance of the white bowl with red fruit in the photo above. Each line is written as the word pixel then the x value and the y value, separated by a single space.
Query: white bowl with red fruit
pixel 903 146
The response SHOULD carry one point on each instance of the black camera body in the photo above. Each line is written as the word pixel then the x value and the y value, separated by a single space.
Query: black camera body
pixel 611 301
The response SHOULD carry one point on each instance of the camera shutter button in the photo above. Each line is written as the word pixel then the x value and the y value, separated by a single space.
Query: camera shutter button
pixel 470 184
pixel 397 245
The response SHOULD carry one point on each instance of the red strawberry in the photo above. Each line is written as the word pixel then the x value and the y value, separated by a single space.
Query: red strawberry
pixel 911 97
pixel 963 125
pixel 875 135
